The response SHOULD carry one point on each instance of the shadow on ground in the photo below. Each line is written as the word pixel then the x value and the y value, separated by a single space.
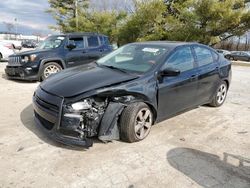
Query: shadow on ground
pixel 209 170
pixel 27 118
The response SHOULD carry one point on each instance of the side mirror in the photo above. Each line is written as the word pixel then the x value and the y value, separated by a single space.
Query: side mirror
pixel 170 72
pixel 71 45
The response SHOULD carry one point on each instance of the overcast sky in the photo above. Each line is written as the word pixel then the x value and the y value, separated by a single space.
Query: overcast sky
pixel 31 16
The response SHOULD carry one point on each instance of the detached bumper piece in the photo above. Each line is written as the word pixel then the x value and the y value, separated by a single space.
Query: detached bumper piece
pixel 47 117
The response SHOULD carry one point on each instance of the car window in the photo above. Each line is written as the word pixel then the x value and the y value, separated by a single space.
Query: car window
pixel 79 42
pixel 204 56
pixel 244 53
pixel 182 60
pixel 104 40
pixel 135 57
pixel 51 42
pixel 92 41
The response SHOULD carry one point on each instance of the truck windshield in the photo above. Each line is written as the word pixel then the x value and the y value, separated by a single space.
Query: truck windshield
pixel 51 42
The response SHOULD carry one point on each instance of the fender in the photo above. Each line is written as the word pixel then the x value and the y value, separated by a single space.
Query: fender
pixel 50 60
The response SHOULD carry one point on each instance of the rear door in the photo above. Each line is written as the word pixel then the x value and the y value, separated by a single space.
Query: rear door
pixel 178 93
pixel 208 80
pixel 94 49
pixel 76 56
pixel 244 56
pixel 237 56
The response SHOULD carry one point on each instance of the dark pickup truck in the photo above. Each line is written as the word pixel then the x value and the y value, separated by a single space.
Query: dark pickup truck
pixel 55 53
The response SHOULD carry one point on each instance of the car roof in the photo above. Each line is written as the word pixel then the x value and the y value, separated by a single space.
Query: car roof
pixel 169 44
pixel 81 34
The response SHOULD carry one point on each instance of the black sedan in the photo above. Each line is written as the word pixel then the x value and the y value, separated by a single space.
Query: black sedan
pixel 241 56
pixel 123 94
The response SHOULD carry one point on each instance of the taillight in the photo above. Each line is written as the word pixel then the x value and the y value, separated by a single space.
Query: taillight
pixel 10 46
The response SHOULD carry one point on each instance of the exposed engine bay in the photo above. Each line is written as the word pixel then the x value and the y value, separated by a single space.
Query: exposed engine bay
pixel 94 116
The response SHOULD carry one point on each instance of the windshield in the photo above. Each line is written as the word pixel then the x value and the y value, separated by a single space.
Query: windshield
pixel 51 42
pixel 134 57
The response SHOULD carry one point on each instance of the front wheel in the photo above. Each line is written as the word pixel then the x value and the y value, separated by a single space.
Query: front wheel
pixel 220 95
pixel 136 122
pixel 49 69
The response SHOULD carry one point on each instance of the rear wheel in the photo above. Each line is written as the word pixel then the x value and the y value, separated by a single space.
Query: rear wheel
pixel 136 122
pixel 49 69
pixel 220 95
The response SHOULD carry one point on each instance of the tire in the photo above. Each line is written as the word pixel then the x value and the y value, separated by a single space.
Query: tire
pixel 50 68
pixel 231 58
pixel 135 116
pixel 220 95
pixel 1 57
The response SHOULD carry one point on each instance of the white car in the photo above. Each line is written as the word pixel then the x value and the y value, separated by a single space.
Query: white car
pixel 17 43
pixel 6 49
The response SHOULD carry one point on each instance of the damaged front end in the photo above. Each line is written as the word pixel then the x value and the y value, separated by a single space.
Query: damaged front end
pixel 75 121
pixel 93 117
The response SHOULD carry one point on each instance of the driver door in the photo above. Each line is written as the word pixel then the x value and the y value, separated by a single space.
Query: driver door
pixel 77 56
pixel 178 93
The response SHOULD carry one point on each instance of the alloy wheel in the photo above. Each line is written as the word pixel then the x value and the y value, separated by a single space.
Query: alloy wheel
pixel 51 69
pixel 221 94
pixel 143 123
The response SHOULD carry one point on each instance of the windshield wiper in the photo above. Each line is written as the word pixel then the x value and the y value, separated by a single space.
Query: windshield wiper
pixel 115 68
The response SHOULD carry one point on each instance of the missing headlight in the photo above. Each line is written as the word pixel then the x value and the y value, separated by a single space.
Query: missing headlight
pixel 84 116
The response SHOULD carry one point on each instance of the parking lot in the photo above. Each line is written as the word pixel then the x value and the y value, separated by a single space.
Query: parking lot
pixel 205 147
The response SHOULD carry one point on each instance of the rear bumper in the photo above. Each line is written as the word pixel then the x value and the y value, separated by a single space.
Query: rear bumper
pixel 21 73
pixel 49 123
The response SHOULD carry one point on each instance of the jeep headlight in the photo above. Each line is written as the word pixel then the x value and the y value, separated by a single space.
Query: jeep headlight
pixel 29 58
pixel 32 57
pixel 25 59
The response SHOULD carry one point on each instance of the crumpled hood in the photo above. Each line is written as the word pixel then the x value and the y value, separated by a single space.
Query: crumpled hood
pixel 81 79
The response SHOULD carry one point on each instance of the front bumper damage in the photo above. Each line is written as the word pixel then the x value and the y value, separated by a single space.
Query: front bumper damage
pixel 54 119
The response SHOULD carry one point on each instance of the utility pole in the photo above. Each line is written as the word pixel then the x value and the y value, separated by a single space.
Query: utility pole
pixel 76 13
pixel 16 26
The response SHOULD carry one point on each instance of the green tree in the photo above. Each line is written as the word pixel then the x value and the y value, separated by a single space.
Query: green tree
pixel 206 21
pixel 72 17
pixel 146 23
pixel 66 13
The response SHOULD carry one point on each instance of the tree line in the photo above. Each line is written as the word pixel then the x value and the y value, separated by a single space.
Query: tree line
pixel 206 21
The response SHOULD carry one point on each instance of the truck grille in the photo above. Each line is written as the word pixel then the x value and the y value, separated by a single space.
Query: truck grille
pixel 15 61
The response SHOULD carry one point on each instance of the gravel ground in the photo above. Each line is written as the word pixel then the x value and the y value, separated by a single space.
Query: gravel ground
pixel 205 147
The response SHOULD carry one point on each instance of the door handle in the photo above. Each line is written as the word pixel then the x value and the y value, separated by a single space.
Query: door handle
pixel 101 50
pixel 193 77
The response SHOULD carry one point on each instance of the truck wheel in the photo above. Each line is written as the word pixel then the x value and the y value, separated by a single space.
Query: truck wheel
pixel 220 95
pixel 50 68
pixel 136 122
